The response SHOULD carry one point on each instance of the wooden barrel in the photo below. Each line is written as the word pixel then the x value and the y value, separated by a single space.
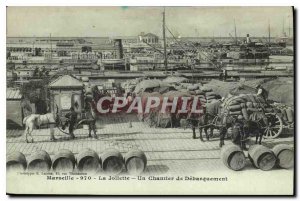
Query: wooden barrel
pixel 16 161
pixel 261 157
pixel 285 155
pixel 135 162
pixel 88 161
pixel 64 161
pixel 111 161
pixel 40 160
pixel 233 157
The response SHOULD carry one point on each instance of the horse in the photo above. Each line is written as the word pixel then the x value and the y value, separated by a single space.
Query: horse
pixel 205 122
pixel 35 120
pixel 242 129
pixel 209 119
pixel 89 118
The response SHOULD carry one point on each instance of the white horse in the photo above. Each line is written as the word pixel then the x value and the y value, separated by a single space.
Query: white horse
pixel 35 120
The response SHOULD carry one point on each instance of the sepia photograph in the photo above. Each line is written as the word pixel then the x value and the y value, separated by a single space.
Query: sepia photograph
pixel 130 100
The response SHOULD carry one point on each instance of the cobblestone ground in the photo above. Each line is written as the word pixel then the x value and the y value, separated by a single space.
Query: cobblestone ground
pixel 169 150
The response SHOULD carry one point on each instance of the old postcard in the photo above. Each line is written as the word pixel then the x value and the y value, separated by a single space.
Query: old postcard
pixel 150 100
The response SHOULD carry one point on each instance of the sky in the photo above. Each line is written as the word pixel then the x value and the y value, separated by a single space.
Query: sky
pixel 130 21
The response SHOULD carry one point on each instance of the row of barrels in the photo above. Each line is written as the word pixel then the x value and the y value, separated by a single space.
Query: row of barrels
pixel 261 157
pixel 111 161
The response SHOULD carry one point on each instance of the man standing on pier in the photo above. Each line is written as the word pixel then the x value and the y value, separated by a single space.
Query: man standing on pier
pixel 72 119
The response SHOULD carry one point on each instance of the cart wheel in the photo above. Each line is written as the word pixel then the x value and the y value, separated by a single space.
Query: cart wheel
pixel 274 129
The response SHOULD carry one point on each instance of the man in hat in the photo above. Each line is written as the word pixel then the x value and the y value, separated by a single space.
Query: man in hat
pixel 72 119
pixel 239 132
pixel 262 92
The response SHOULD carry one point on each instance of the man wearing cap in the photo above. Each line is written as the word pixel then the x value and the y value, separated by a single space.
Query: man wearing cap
pixel 72 119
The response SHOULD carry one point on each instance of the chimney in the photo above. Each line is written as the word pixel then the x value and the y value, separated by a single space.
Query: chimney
pixel 248 38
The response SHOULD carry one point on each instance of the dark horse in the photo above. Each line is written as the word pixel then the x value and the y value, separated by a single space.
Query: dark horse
pixel 89 118
pixel 208 120
pixel 242 129
pixel 222 121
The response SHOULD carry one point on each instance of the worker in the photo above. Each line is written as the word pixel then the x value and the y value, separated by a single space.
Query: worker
pixel 91 122
pixel 224 74
pixel 261 92
pixel 238 132
pixel 72 119
pixel 25 104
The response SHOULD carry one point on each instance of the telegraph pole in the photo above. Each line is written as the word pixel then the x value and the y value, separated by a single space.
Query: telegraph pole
pixel 165 45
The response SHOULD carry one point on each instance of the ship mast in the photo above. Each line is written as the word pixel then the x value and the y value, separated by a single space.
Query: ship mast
pixel 164 39
pixel 50 47
pixel 269 29
pixel 235 33
pixel 283 30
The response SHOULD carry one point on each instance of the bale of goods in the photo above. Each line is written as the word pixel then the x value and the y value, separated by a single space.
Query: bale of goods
pixel 184 90
pixel 235 107
pixel 235 113
pixel 203 100
pixel 135 162
pixel 245 113
pixel 192 92
pixel 285 155
pixel 40 160
pixel 178 87
pixel 199 92
pixel 192 87
pixel 262 157
pixel 290 115
pixel 201 96
pixel 211 93
pixel 244 104
pixel 249 104
pixel 211 97
pixel 16 161
pixel 85 79
pixel 64 160
pixel 233 157
pixel 88 160
pixel 112 161
pixel 206 89
pixel 284 115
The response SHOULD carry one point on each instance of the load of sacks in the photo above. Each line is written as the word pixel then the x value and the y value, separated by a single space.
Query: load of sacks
pixel 205 94
pixel 208 95
pixel 245 104
pixel 287 113
pixel 156 118
pixel 188 87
